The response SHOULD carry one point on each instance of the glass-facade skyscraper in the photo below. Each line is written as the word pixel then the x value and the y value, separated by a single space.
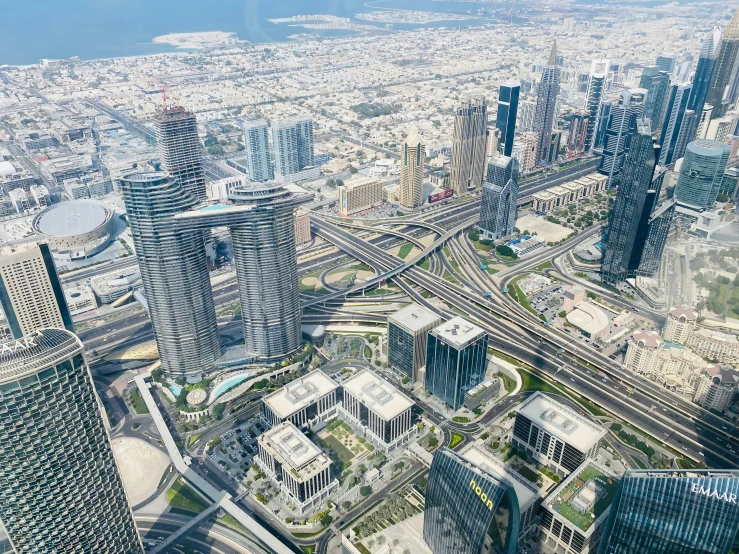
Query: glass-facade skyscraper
pixel 546 106
pixel 292 140
pixel 702 173
pixel 469 144
pixel 60 489
pixel 499 205
pixel 673 512
pixel 672 126
pixel 467 508
pixel 256 141
pixel 631 200
pixel 655 82
pixel 456 360
pixel 703 73
pixel 726 57
pixel 594 98
pixel 505 120
pixel 622 119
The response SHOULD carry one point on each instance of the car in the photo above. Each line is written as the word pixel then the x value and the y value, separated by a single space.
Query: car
pixel 571 379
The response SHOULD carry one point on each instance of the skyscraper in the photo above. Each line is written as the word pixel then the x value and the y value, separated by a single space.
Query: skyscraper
pixel 31 295
pixel 505 120
pixel 620 127
pixel 658 229
pixel 465 505
pixel 656 83
pixel 407 333
pixel 468 146
pixel 701 173
pixel 703 74
pixel 256 140
pixel 174 271
pixel 666 63
pixel 179 150
pixel 526 115
pixel 673 512
pixel 60 490
pixel 499 205
pixel 594 97
pixel 631 199
pixel 292 140
pixel 577 137
pixel 604 116
pixel 677 103
pixel 725 59
pixel 456 360
pixel 546 103
pixel 412 157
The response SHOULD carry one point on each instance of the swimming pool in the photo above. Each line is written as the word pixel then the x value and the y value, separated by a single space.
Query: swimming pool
pixel 176 390
pixel 228 383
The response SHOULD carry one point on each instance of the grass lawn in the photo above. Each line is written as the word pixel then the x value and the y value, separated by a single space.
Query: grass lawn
pixel 354 346
pixel 308 549
pixel 456 440
pixel 459 419
pixel 405 250
pixel 367 352
pixel 479 246
pixel 342 451
pixel 228 521
pixel 508 383
pixel 584 521
pixel 641 464
pixel 138 403
pixel 309 288
pixel 424 264
pixel 515 292
pixel 492 270
pixel 378 292
pixel 534 382
pixel 545 265
pixel 182 496
pixel 449 277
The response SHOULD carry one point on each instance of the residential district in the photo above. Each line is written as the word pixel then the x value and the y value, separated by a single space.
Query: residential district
pixel 449 290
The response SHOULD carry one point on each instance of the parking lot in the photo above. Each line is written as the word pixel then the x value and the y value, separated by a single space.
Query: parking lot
pixel 237 449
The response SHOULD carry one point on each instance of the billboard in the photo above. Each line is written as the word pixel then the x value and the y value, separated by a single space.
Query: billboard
pixel 441 195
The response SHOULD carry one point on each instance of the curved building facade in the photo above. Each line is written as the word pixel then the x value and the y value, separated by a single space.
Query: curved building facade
pixel 60 490
pixel 673 512
pixel 174 271
pixel 702 173
pixel 468 509
pixel 75 229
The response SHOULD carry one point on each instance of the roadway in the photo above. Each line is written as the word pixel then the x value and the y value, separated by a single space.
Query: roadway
pixel 516 335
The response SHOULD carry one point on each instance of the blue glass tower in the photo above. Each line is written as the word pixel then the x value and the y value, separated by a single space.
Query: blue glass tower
pixel 456 360
pixel 505 121
pixel 465 504
pixel 673 512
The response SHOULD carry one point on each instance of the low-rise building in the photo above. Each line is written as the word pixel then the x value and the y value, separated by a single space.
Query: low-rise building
pixel 592 321
pixel 302 226
pixel 554 434
pixel 714 345
pixel 360 193
pixel 561 196
pixel 407 335
pixel 297 466
pixel 574 513
pixel 76 189
pixel 573 296
pixel 221 188
pixel 40 195
pixel 305 401
pixel 80 299
pixel 379 409
pixel 21 200
pixel 482 393
pixel 717 386
pixel 109 287
pixel 680 324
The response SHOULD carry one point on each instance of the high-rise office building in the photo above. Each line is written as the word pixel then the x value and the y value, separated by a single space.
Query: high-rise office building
pixel 658 229
pixel 594 97
pixel 412 157
pixel 526 115
pixel 31 295
pixel 505 120
pixel 704 120
pixel 168 233
pixel 468 145
pixel 174 271
pixel 178 147
pixel 666 63
pixel 456 360
pixel 677 104
pixel 703 74
pixel 631 199
pixel 292 140
pixel 499 205
pixel 726 57
pixel 673 512
pixel 656 83
pixel 256 141
pixel 469 510
pixel 621 124
pixel 604 116
pixel 60 489
pixel 702 173
pixel 546 104
pixel 407 334
pixel 578 135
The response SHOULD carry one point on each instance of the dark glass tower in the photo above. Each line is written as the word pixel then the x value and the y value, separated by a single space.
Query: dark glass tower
pixel 464 505
pixel 618 131
pixel 673 512
pixel 546 103
pixel 631 199
pixel 469 144
pixel 499 198
pixel 672 125
pixel 703 73
pixel 60 489
pixel 505 121
pixel 594 98
pixel 655 82
pixel 456 360
pixel 725 60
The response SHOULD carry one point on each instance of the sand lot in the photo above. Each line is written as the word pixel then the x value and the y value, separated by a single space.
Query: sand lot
pixel 546 230
pixel 141 465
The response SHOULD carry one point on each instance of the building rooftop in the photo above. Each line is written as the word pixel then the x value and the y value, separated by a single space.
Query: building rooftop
pixel 584 497
pixel 35 352
pixel 482 387
pixel 71 219
pixel 377 394
pixel 589 318
pixel 293 450
pixel 302 392
pixel 356 181
pixel 526 492
pixel 562 421
pixel 727 374
pixel 650 339
pixel 458 332
pixel 683 311
pixel 414 318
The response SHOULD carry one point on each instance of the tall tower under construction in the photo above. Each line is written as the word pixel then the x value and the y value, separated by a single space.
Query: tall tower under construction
pixel 179 150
